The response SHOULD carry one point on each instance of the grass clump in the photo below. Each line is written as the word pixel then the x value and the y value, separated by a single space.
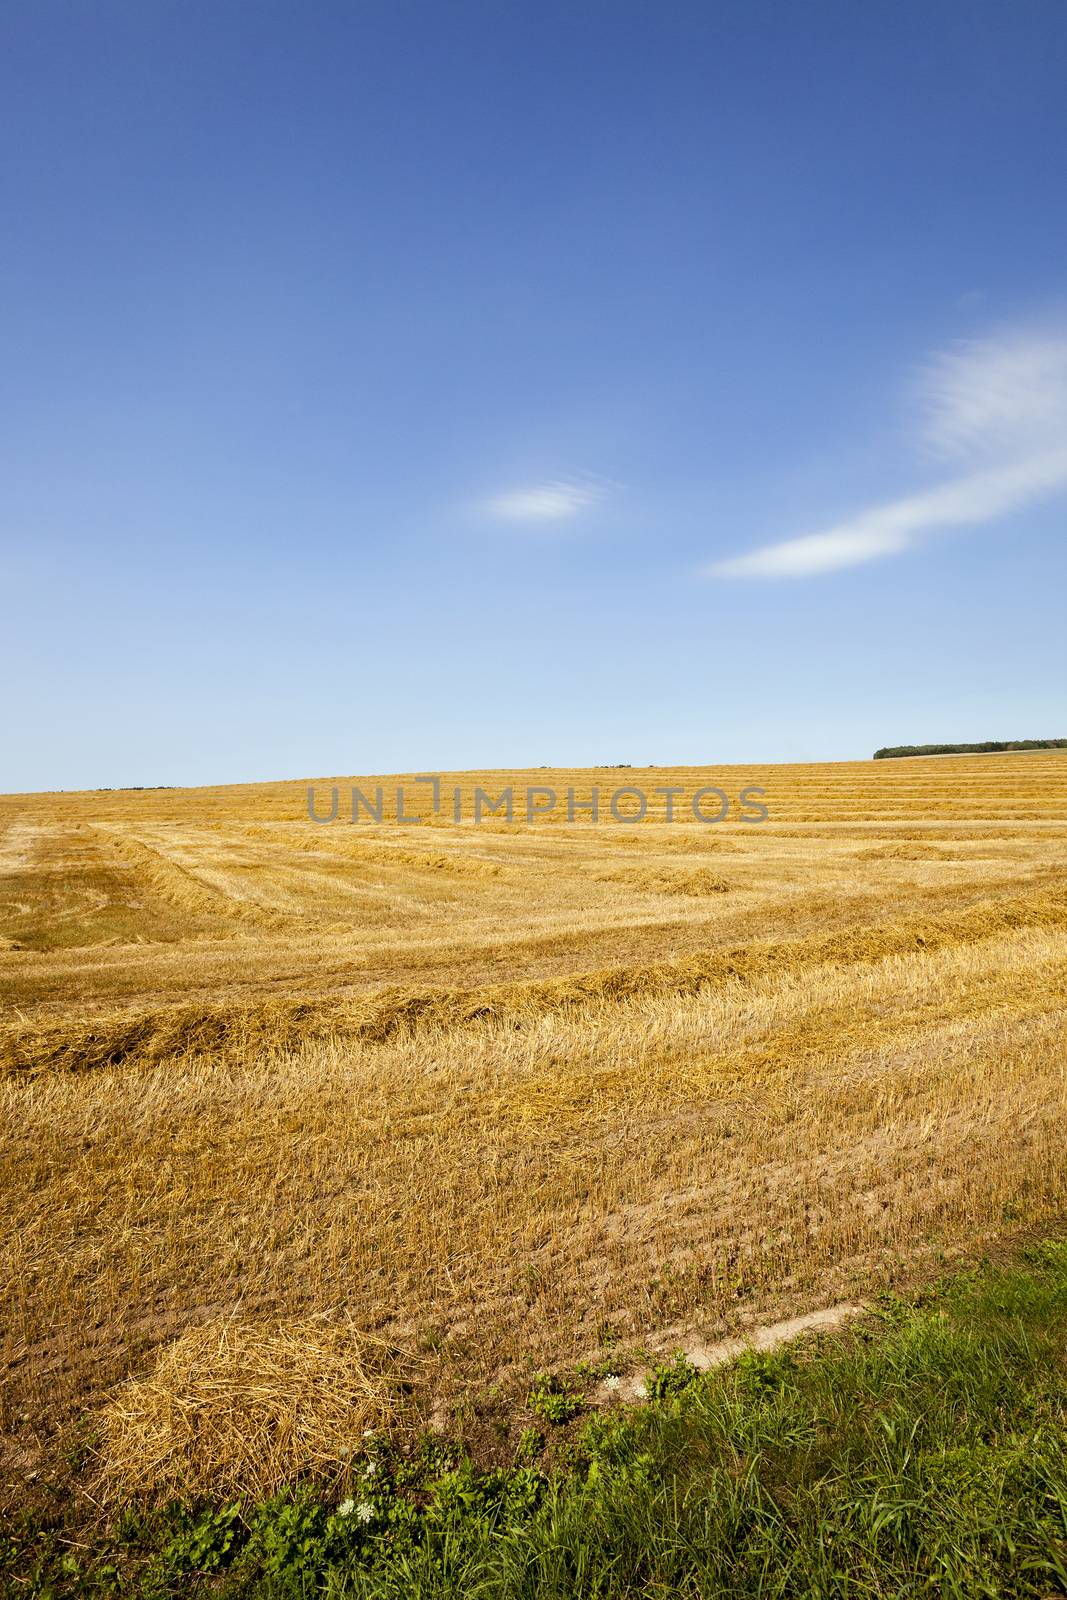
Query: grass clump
pixel 671 1377
pixel 553 1399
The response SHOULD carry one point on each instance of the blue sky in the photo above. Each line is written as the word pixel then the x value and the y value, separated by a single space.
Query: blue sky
pixel 394 386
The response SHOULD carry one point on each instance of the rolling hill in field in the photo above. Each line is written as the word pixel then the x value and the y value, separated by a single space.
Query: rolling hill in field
pixel 494 1094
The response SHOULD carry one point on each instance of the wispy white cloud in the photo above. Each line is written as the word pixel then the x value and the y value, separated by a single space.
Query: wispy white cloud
pixel 885 530
pixel 553 501
pixel 996 396
pixel 998 407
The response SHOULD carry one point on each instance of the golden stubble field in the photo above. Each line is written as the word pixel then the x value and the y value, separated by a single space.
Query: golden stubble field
pixel 292 1113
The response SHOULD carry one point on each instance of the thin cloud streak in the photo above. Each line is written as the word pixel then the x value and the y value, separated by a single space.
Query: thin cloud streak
pixel 889 529
pixel 554 501
pixel 988 397
pixel 1001 406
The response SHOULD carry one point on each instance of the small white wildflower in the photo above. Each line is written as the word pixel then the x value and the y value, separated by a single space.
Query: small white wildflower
pixel 368 1433
pixel 612 1380
pixel 370 1469
pixel 346 1508
pixel 365 1511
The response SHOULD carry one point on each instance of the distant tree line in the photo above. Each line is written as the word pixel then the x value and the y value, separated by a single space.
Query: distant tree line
pixel 968 749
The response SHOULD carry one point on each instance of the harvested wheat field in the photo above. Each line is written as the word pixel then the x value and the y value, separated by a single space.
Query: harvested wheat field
pixel 308 1129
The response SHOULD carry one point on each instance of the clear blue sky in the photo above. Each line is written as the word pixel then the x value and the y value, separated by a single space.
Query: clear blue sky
pixel 393 386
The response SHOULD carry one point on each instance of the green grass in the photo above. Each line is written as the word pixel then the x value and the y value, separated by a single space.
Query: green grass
pixel 922 1453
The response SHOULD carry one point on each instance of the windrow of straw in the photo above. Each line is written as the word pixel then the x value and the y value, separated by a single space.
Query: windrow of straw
pixel 182 888
pixel 337 841
pixel 148 1035
pixel 697 882
pixel 911 851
